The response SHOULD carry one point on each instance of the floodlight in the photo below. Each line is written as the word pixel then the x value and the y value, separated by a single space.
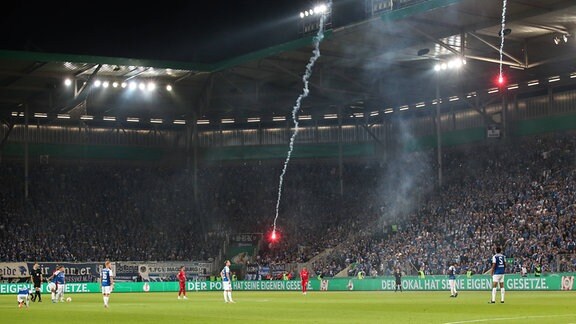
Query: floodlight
pixel 320 9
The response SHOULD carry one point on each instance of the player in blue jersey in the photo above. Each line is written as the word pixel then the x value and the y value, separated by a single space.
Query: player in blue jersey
pixel 498 269
pixel 58 278
pixel 227 282
pixel 107 282
pixel 23 297
pixel 452 280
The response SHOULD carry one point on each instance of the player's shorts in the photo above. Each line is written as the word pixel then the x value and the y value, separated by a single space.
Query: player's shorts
pixel 22 297
pixel 498 278
pixel 106 289
pixel 51 286
pixel 60 288
pixel 226 285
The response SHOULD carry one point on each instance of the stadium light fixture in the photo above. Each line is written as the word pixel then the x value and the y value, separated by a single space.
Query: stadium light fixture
pixel 320 9
pixel 67 82
pixel 453 64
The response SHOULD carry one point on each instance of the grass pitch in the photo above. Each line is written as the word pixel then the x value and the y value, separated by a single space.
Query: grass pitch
pixel 293 307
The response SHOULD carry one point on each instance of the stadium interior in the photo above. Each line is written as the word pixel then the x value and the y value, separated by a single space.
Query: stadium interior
pixel 410 152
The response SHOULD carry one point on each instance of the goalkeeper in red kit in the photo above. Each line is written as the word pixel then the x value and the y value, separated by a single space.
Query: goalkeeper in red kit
pixel 182 281
pixel 304 279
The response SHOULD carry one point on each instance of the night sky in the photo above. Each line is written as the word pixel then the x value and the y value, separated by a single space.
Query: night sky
pixel 188 31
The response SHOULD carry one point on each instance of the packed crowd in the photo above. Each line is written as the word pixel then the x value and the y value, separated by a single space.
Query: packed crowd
pixel 521 196
pixel 378 216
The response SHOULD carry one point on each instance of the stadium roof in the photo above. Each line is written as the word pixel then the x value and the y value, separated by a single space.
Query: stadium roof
pixel 385 61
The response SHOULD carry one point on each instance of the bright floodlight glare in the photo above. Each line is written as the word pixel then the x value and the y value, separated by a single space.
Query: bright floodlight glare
pixel 67 82
pixel 443 66
pixel 320 9
pixel 306 13
pixel 301 15
pixel 115 84
pixel 123 84
pixel 97 83
pixel 437 67
pixel 151 86
pixel 457 63
pixel 169 87
pixel 565 38
pixel 105 84
pixel 142 86
pixel 132 85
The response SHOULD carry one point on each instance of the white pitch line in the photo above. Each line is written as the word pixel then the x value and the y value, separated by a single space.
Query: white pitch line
pixel 508 318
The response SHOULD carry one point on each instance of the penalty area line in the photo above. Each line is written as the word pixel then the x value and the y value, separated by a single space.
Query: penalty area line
pixel 507 318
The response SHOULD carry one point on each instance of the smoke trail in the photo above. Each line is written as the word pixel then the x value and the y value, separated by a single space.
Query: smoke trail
pixel 500 77
pixel 317 39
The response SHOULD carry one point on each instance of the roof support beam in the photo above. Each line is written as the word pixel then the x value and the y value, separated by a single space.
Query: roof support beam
pixel 497 49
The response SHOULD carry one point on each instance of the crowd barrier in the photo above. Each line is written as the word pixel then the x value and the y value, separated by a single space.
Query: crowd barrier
pixel 549 282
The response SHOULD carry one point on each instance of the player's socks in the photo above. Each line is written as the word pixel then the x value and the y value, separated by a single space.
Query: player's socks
pixel 493 294
pixel 502 293
pixel 225 296
pixel 230 296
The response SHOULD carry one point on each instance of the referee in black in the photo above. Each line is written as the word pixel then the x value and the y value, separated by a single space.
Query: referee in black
pixel 36 276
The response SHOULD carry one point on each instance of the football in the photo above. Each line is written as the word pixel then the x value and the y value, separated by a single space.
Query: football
pixel 69 299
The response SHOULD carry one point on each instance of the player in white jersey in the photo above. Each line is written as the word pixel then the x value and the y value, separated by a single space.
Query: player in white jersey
pixel 227 282
pixel 107 282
